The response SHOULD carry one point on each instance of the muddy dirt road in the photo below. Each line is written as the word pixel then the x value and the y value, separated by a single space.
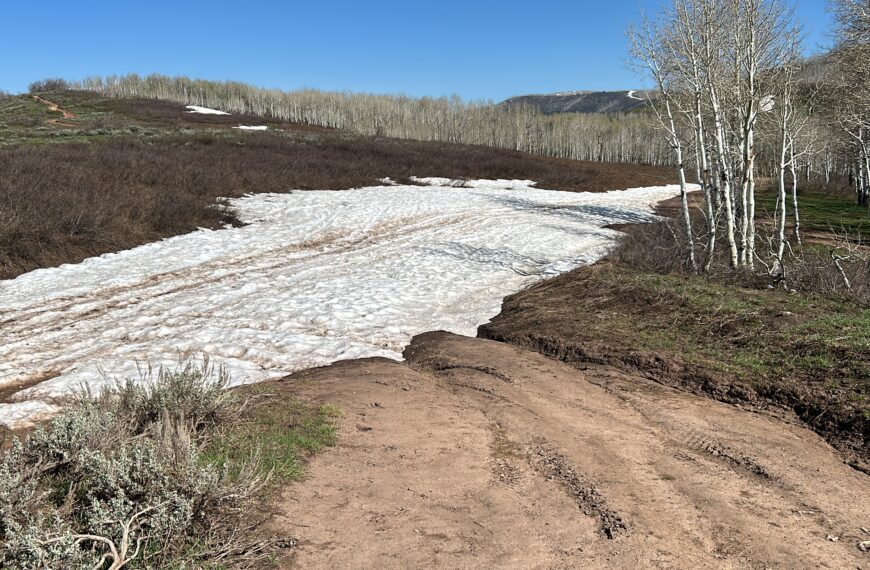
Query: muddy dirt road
pixel 476 454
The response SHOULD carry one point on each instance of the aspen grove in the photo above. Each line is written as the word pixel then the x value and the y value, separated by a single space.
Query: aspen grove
pixel 736 100
pixel 617 137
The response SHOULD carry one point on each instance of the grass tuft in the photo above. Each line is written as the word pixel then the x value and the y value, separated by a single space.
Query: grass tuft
pixel 280 432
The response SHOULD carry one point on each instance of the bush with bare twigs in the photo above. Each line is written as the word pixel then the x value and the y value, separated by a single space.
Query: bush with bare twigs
pixel 51 84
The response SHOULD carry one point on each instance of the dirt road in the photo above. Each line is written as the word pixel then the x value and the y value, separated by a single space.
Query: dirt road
pixel 52 106
pixel 476 454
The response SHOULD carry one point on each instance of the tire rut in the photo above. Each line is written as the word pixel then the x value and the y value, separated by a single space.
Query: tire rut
pixel 664 479
pixel 555 467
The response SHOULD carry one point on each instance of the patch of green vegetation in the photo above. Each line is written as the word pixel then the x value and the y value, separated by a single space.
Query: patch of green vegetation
pixel 824 212
pixel 754 334
pixel 281 432
pixel 22 109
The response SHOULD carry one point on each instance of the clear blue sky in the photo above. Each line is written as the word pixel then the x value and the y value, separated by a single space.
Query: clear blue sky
pixel 476 49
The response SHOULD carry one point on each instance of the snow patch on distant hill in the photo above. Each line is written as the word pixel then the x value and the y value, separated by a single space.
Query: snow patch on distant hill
pixel 204 110
pixel 581 102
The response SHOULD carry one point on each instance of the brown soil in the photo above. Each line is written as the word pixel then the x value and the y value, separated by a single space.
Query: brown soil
pixel 830 400
pixel 476 454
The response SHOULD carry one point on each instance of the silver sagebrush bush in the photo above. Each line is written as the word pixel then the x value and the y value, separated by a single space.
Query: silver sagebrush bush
pixel 118 480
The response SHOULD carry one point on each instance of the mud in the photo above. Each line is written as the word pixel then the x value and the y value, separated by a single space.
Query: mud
pixel 443 463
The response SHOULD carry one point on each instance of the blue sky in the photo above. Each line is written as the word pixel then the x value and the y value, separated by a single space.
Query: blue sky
pixel 476 49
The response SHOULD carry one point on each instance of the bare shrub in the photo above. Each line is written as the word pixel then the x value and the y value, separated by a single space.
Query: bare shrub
pixel 51 84
pixel 838 267
pixel 652 247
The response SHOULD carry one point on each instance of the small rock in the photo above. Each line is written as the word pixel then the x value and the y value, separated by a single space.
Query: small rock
pixel 864 546
pixel 833 538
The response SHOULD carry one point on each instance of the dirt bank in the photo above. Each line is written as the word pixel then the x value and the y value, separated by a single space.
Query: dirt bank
pixel 477 454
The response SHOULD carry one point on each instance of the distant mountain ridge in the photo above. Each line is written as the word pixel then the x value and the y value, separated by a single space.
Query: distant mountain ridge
pixel 582 102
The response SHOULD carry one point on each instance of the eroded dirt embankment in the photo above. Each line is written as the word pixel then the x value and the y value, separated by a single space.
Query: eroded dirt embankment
pixel 761 349
pixel 476 454
pixel 789 399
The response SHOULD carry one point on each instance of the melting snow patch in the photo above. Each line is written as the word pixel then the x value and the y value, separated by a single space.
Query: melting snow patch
pixel 252 127
pixel 314 277
pixel 23 415
pixel 204 110
pixel 499 184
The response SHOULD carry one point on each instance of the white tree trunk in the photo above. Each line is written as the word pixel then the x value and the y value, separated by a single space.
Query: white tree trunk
pixel 796 230
pixel 778 268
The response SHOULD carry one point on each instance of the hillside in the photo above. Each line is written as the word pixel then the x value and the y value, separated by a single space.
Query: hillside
pixel 582 102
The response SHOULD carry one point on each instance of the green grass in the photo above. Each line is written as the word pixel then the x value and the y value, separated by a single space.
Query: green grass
pixel 822 212
pixel 19 107
pixel 758 335
pixel 282 431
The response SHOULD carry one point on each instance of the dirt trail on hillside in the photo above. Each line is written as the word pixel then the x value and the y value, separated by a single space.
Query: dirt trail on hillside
pixel 52 106
pixel 476 454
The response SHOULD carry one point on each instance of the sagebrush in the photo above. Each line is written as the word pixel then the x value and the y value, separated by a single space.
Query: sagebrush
pixel 120 481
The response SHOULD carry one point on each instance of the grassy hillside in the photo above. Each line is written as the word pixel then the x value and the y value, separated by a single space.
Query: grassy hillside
pixel 824 211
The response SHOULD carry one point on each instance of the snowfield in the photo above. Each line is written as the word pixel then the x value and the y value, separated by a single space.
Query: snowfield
pixel 204 110
pixel 315 277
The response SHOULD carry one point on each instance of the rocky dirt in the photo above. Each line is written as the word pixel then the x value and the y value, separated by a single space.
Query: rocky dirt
pixel 477 454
